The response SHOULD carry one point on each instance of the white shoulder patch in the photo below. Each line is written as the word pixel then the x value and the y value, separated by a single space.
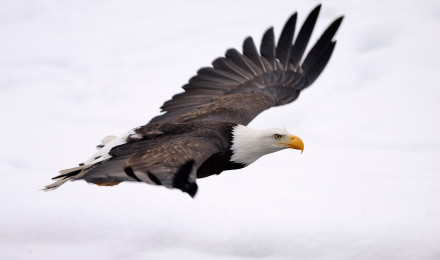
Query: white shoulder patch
pixel 108 139
pixel 108 143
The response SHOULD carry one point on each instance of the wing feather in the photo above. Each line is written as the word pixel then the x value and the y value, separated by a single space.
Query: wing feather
pixel 313 70
pixel 303 37
pixel 170 161
pixel 274 76
pixel 229 66
pixel 322 47
pixel 285 41
pixel 238 59
pixel 251 52
pixel 267 47
pixel 220 74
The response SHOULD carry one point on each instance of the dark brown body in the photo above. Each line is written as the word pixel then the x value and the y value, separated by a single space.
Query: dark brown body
pixel 192 138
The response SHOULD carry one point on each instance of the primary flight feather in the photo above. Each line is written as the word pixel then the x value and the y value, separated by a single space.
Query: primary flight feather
pixel 203 130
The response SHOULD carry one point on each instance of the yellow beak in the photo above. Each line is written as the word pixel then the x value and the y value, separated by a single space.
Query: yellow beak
pixel 296 143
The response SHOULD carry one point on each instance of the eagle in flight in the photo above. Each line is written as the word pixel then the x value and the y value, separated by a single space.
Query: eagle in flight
pixel 204 129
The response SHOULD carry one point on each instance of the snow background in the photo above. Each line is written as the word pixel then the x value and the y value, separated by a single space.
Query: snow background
pixel 366 187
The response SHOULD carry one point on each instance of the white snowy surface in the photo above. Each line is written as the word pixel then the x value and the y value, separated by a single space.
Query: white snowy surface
pixel 366 187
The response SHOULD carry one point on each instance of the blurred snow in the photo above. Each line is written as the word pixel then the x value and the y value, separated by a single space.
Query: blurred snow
pixel 366 187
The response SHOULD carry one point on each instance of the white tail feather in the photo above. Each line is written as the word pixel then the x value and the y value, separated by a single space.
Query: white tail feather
pixel 108 139
pixel 66 171
pixel 58 183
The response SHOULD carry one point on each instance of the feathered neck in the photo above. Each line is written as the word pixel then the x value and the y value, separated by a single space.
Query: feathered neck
pixel 250 144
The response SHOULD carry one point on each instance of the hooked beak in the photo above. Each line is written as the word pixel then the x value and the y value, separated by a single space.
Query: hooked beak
pixel 296 143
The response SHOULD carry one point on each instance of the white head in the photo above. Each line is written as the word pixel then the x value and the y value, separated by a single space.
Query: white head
pixel 250 144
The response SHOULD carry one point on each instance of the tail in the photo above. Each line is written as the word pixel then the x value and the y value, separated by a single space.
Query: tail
pixel 65 176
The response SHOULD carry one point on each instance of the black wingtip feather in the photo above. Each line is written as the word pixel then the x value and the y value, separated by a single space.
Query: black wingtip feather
pixel 303 37
pixel 285 41
pixel 267 47
pixel 251 52
pixel 315 69
pixel 319 52
pixel 237 73
pixel 239 60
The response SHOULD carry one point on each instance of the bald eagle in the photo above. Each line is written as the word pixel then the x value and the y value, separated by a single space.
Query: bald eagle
pixel 203 130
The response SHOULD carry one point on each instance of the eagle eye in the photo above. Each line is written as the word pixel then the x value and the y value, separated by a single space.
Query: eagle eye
pixel 277 136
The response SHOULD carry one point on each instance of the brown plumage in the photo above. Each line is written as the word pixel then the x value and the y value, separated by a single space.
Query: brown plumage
pixel 194 137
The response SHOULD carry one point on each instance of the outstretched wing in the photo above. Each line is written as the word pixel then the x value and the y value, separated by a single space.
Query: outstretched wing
pixel 162 154
pixel 171 162
pixel 239 86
